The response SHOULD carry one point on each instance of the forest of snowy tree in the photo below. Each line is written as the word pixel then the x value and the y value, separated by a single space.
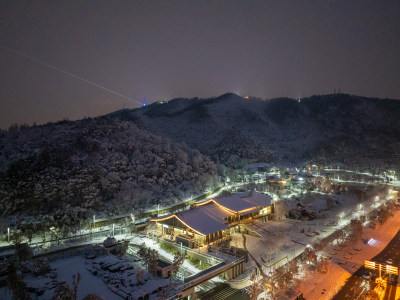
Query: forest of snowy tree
pixel 95 165
pixel 165 152
pixel 335 128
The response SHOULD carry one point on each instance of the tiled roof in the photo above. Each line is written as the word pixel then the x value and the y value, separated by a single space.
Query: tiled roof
pixel 241 201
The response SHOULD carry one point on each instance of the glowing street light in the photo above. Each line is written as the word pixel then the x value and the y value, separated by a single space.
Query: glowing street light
pixel 381 267
pixel 361 207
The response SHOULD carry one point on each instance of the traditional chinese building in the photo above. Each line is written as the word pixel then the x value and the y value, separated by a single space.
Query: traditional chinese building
pixel 212 220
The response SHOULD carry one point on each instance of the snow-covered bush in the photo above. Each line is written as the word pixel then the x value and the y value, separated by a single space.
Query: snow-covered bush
pixel 40 266
pixel 94 251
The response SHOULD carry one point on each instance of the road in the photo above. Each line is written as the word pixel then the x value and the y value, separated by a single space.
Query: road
pixel 357 283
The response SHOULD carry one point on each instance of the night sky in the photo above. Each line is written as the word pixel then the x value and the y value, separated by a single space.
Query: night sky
pixel 158 50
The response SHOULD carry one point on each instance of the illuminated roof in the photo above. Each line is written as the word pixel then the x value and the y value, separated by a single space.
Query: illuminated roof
pixel 205 219
pixel 208 216
pixel 244 212
pixel 239 202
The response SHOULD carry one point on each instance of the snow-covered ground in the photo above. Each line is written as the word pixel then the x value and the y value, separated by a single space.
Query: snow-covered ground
pixel 285 239
pixel 314 283
pixel 188 268
pixel 89 284
pixel 283 242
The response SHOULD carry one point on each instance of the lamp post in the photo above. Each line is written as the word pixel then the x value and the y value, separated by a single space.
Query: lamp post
pixel 8 234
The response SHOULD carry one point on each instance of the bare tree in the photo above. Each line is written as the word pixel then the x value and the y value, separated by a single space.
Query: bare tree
pixel 163 293
pixel 153 262
pixel 322 265
pixel 63 292
pixel 177 263
pixel 150 258
pixel 75 283
pixel 140 275
pixel 17 286
pixel 24 252
pixel 309 256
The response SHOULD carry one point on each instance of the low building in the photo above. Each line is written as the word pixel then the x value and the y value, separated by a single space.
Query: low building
pixel 163 268
pixel 260 167
pixel 275 180
pixel 212 220
pixel 298 180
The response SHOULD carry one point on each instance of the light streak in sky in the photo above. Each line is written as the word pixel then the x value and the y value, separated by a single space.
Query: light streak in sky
pixel 70 74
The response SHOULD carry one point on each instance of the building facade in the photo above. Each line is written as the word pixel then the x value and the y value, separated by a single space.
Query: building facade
pixel 213 220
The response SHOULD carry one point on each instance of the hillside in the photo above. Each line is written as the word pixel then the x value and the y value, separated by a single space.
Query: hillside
pixel 332 128
pixel 135 159
pixel 95 165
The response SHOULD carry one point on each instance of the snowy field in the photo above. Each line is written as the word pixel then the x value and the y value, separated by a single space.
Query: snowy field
pixel 284 239
pixel 65 269
pixel 88 283
pixel 313 284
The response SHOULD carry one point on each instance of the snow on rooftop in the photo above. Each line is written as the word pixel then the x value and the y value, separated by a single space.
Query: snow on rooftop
pixel 89 284
pixel 208 218
pixel 249 211
pixel 242 201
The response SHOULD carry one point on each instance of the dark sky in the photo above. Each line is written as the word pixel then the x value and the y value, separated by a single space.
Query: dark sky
pixel 158 50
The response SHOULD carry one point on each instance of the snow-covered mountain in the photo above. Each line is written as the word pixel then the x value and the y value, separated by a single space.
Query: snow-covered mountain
pixel 93 165
pixel 333 128
pixel 164 152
